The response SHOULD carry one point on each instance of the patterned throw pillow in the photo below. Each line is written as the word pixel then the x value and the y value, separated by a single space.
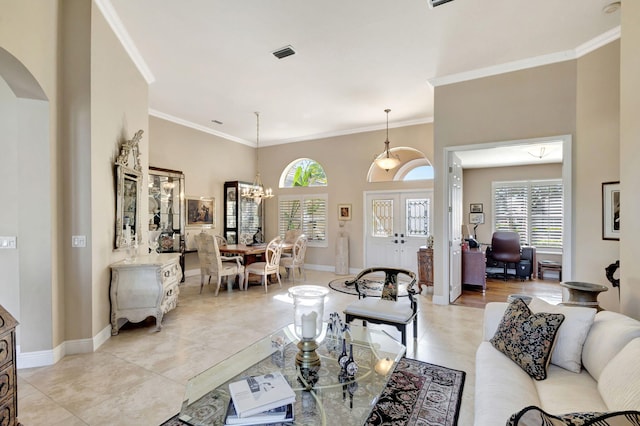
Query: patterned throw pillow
pixel 527 338
pixel 531 416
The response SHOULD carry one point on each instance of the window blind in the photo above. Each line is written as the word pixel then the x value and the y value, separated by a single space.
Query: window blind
pixel 307 213
pixel 533 209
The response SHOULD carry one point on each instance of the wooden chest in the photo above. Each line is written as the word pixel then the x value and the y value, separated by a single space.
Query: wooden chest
pixel 8 379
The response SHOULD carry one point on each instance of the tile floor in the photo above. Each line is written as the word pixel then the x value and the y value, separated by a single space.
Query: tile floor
pixel 139 377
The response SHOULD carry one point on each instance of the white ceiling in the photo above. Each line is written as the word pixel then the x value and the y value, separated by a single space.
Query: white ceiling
pixel 512 155
pixel 211 59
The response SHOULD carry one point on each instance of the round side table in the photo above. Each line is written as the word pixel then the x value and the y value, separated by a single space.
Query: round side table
pixel 583 294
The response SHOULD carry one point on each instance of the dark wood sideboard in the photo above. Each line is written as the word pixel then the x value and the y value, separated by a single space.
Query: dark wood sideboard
pixel 425 267
pixel 8 378
pixel 474 268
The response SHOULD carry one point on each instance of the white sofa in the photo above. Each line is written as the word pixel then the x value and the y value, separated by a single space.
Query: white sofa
pixel 609 379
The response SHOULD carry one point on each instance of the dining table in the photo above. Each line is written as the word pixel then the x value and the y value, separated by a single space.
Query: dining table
pixel 250 253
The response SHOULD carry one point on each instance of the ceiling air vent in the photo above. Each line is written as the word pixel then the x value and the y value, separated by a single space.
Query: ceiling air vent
pixel 434 3
pixel 284 52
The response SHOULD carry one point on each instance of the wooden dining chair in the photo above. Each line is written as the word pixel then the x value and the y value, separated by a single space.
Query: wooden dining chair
pixel 296 261
pixel 211 262
pixel 271 265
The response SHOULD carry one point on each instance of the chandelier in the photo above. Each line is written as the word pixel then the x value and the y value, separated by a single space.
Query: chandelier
pixel 257 191
pixel 386 160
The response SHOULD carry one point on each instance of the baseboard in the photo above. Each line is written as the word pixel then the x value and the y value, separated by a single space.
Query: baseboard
pixel 70 347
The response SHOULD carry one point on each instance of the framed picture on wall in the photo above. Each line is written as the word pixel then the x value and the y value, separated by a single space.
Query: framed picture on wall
pixel 611 211
pixel 475 208
pixel 201 211
pixel 344 211
pixel 476 218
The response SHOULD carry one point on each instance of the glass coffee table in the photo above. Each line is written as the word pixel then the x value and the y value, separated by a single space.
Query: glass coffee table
pixel 332 396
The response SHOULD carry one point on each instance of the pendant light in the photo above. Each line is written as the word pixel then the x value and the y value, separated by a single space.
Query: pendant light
pixel 257 191
pixel 386 160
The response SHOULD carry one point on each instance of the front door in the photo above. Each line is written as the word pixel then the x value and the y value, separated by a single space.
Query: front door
pixel 397 224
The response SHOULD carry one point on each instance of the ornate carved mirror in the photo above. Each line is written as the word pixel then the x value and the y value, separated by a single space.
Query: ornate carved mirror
pixel 128 192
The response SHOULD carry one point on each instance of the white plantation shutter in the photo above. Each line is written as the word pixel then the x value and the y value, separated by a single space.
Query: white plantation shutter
pixel 510 208
pixel 546 214
pixel 314 219
pixel 533 209
pixel 306 212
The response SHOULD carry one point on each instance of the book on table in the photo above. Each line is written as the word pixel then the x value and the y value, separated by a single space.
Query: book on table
pixel 280 414
pixel 256 394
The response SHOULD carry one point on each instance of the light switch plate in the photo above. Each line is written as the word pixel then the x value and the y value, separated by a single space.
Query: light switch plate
pixel 8 242
pixel 78 241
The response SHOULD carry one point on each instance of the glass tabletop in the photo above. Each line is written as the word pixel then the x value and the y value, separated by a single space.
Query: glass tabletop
pixel 332 396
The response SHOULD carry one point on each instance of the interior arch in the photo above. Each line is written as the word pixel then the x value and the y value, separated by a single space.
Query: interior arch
pixel 25 125
pixel 410 158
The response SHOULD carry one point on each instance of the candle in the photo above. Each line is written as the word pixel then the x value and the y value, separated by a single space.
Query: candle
pixel 309 325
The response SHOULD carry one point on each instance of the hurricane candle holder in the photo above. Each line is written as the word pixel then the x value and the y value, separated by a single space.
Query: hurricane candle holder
pixel 308 308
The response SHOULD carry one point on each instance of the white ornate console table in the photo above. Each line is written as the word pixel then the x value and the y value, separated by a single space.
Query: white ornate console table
pixel 143 287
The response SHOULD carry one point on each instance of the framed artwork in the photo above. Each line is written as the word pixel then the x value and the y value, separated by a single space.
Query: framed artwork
pixel 475 208
pixel 344 211
pixel 611 211
pixel 476 218
pixel 201 211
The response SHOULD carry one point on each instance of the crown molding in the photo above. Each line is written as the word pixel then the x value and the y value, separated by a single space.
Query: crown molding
pixel 112 18
pixel 199 127
pixel 536 61
pixel 351 131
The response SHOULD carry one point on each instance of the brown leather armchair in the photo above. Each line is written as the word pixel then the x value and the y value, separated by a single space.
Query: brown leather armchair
pixel 505 248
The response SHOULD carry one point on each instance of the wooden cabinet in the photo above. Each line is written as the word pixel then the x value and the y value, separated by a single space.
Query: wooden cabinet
pixel 474 268
pixel 242 216
pixel 144 287
pixel 425 267
pixel 8 378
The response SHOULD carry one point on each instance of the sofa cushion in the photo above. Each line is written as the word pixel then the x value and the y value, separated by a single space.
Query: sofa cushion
pixel 493 313
pixel 527 338
pixel 534 416
pixel 501 388
pixel 574 329
pixel 609 333
pixel 619 382
pixel 564 391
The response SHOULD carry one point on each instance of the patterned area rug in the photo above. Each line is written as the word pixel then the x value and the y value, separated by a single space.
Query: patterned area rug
pixel 369 287
pixel 418 393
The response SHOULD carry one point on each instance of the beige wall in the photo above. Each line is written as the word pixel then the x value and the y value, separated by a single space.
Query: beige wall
pixel 206 160
pixel 346 161
pixel 65 175
pixel 477 189
pixel 119 108
pixel 578 98
pixel 597 159
pixel 29 42
pixel 532 103
pixel 629 154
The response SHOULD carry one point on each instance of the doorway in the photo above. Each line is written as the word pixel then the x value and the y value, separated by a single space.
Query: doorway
pixel 396 224
pixel 449 275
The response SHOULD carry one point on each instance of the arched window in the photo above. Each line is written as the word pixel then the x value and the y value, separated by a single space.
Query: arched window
pixel 303 172
pixel 418 169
